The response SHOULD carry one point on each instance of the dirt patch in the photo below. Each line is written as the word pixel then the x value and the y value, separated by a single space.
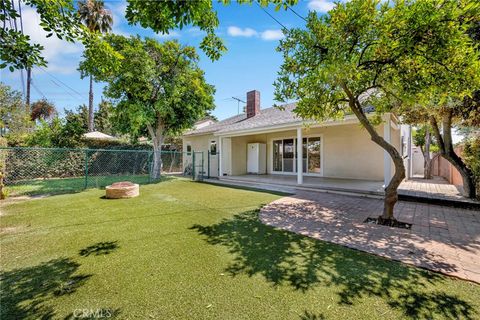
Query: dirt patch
pixel 10 200
pixel 11 230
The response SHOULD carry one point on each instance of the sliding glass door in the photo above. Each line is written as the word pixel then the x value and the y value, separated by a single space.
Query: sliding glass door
pixel 288 155
pixel 285 155
pixel 278 155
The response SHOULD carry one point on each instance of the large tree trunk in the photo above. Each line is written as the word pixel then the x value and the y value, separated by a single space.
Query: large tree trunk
pixel 445 144
pixel 90 106
pixel 157 141
pixel 391 195
pixel 427 163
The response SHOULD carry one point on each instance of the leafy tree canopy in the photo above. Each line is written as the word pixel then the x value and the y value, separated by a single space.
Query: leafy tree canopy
pixel 395 57
pixel 163 16
pixel 57 17
pixel 14 117
pixel 158 89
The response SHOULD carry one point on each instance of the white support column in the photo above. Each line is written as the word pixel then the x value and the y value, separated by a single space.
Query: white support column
pixel 387 161
pixel 299 156
pixel 220 157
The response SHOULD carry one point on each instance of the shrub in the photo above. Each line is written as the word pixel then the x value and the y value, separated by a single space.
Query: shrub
pixel 471 155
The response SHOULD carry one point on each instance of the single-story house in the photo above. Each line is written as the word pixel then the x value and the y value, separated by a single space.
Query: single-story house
pixel 266 141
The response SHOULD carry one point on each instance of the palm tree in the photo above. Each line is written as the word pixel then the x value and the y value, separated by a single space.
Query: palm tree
pixel 97 19
pixel 42 109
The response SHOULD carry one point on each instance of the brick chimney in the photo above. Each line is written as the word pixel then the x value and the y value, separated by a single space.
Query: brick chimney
pixel 253 103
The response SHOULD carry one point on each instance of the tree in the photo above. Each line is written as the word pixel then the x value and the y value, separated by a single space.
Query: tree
pixel 13 116
pixel 42 109
pixel 163 16
pixel 98 20
pixel 103 118
pixel 56 17
pixel 158 89
pixel 389 57
pixel 423 139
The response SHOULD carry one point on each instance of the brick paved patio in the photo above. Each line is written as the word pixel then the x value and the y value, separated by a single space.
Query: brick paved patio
pixel 442 239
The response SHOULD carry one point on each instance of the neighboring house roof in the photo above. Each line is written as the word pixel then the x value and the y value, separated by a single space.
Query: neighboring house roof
pixel 97 135
pixel 267 117
pixel 203 123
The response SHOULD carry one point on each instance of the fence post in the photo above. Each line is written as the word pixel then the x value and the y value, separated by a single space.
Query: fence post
pixel 86 168
pixel 203 168
pixel 149 166
pixel 208 164
pixel 193 165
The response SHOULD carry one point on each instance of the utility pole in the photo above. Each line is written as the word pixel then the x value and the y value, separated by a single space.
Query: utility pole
pixel 29 81
pixel 238 103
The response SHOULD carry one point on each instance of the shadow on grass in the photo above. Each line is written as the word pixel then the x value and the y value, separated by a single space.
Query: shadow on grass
pixel 312 316
pixel 73 185
pixel 25 291
pixel 286 258
pixel 99 248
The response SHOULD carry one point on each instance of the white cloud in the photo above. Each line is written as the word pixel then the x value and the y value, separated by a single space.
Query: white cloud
pixel 239 32
pixel 320 5
pixel 270 35
pixel 118 15
pixel 171 34
pixel 267 35
pixel 57 52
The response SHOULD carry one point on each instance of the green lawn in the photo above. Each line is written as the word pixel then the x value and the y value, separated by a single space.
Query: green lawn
pixel 68 185
pixel 186 250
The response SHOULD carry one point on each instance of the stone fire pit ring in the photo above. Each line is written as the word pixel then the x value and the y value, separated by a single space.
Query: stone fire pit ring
pixel 121 190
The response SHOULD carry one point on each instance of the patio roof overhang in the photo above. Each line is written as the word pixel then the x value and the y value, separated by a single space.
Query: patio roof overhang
pixel 350 119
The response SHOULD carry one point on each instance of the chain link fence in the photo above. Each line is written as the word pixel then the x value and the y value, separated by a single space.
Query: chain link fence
pixel 29 171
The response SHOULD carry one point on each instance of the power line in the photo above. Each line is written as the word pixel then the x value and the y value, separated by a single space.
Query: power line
pixel 66 92
pixel 38 90
pixel 268 13
pixel 298 15
pixel 60 81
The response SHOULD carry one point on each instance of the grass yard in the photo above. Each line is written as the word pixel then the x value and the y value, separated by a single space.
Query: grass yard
pixel 186 250
pixel 68 185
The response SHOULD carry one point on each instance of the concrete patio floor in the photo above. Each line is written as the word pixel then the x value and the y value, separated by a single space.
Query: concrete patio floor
pixel 442 239
pixel 437 188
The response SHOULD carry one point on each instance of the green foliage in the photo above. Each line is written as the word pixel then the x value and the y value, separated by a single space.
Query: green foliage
pixel 419 137
pixel 14 118
pixel 389 56
pixel 62 133
pixel 103 118
pixel 164 16
pixel 99 58
pixel 471 156
pixel 157 85
pixel 56 17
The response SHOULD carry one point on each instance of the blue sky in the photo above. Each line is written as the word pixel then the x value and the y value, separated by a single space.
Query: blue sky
pixel 251 61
